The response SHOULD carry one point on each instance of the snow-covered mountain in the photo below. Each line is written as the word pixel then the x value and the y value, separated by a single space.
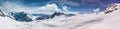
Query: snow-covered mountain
pixel 108 19
pixel 44 17
pixel 21 16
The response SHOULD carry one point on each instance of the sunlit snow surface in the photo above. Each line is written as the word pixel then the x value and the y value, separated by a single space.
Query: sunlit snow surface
pixel 79 21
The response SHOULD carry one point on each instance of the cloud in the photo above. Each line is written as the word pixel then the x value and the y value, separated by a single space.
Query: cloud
pixel 65 8
pixel 17 7
pixel 48 8
pixel 53 7
pixel 97 10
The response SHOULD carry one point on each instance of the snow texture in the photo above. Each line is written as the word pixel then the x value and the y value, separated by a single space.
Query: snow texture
pixel 102 20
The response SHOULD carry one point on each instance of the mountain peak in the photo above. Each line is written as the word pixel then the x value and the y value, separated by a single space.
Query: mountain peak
pixel 21 16
pixel 2 14
pixel 112 8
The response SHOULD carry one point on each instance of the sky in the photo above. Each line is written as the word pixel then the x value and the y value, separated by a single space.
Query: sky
pixel 45 6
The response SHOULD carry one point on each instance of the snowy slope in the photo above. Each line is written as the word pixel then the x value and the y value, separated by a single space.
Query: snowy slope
pixel 101 20
pixel 85 21
pixel 111 21
pixel 7 23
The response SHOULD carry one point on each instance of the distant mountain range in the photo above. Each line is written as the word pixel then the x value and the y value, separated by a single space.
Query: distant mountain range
pixel 22 16
pixel 108 19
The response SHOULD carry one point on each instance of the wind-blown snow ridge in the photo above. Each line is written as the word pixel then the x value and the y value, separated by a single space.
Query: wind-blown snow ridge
pixel 102 20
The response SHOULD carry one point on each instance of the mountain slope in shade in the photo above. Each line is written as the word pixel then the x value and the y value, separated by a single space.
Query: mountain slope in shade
pixel 102 20
pixel 21 16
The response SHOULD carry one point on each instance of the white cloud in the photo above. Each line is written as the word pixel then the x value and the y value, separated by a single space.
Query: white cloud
pixel 65 8
pixel 50 7
pixel 47 9
pixel 96 10
pixel 15 7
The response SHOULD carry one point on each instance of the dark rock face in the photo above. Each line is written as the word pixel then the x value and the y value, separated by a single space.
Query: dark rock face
pixel 2 14
pixel 43 17
pixel 21 16
pixel 56 14
pixel 111 8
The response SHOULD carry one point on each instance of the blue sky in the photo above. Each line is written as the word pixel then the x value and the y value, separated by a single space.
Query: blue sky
pixel 71 5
